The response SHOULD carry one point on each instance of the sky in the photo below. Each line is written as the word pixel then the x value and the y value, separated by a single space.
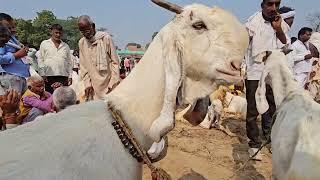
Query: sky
pixel 136 20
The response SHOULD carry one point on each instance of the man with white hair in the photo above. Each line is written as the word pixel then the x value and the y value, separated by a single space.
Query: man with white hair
pixel 99 64
pixel 63 97
pixel 35 101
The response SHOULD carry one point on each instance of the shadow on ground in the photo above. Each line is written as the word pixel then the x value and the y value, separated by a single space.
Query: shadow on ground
pixel 243 169
pixel 192 175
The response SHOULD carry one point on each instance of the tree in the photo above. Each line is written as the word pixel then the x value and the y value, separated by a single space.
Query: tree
pixel 33 32
pixel 314 20
pixel 41 26
pixel 24 30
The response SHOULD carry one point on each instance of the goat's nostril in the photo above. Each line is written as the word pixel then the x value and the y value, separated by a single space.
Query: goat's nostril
pixel 236 65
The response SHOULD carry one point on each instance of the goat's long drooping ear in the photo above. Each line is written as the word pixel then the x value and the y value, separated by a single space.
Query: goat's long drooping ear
pixel 174 73
pixel 261 99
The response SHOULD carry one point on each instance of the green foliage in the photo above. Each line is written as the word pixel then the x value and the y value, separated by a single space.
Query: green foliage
pixel 33 32
pixel 24 30
pixel 71 34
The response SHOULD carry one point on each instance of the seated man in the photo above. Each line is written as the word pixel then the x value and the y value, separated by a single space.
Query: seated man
pixel 35 101
pixel 63 97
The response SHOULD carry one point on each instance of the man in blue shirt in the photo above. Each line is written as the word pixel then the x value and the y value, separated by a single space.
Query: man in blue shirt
pixel 13 71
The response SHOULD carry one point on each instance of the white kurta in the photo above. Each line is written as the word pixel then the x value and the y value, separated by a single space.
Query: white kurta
pixel 99 64
pixel 53 61
pixel 262 38
pixel 302 67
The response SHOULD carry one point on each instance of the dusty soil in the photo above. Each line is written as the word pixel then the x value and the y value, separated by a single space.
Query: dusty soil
pixel 199 154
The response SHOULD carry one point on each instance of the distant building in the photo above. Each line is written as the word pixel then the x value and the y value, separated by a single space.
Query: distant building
pixel 134 47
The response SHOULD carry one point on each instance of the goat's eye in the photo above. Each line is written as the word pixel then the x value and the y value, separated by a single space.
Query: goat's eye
pixel 199 26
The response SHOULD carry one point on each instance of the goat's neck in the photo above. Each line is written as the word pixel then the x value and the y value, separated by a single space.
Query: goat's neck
pixel 139 97
pixel 282 84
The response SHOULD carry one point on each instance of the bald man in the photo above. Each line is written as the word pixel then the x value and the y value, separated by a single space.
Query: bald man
pixel 99 63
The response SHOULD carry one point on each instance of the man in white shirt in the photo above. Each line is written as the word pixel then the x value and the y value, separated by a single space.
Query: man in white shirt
pixel 267 32
pixel 302 57
pixel 55 60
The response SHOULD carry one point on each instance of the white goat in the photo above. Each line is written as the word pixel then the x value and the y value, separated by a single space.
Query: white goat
pixel 236 104
pixel 213 116
pixel 201 47
pixel 295 133
pixel 223 101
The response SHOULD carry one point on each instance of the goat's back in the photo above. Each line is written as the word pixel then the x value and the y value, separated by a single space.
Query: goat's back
pixel 78 143
pixel 295 135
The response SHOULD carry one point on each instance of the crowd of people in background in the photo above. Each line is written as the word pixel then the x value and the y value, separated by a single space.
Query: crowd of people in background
pixel 34 82
pixel 268 30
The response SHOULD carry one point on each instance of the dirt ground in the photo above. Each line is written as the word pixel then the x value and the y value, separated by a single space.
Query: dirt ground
pixel 199 154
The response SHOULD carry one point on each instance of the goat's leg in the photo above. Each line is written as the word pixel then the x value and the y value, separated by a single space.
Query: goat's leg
pixel 218 126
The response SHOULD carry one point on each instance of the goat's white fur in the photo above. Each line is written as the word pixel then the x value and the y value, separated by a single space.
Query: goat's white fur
pixel 80 143
pixel 295 133
pixel 213 115
pixel 236 104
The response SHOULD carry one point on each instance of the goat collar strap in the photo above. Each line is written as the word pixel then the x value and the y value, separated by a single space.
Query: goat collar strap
pixel 132 144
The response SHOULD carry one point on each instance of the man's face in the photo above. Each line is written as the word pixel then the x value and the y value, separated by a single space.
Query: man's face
pixel 38 87
pixel 11 25
pixel 56 34
pixel 306 36
pixel 270 8
pixel 86 29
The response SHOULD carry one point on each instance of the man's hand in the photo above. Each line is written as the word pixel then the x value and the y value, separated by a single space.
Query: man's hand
pixel 10 101
pixel 309 56
pixel 69 81
pixel 314 63
pixel 45 79
pixel 88 92
pixel 306 86
pixel 113 86
pixel 312 74
pixel 21 53
pixel 276 24
pixel 56 85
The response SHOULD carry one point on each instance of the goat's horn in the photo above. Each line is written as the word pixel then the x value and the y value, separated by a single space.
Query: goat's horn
pixel 169 6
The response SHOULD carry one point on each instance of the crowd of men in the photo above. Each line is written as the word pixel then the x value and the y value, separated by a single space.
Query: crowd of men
pixel 99 67
pixel 268 30
pixel 53 65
